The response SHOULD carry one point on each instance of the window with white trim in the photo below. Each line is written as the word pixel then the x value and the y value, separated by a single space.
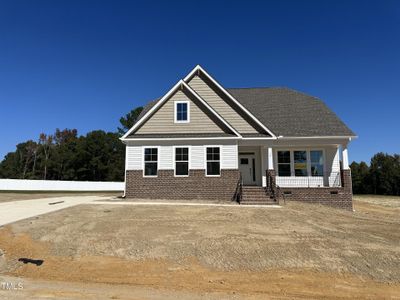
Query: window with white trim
pixel 182 112
pixel 317 162
pixel 150 161
pixel 300 163
pixel 213 161
pixel 284 163
pixel 182 161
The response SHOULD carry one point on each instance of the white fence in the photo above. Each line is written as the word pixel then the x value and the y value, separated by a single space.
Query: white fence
pixel 59 185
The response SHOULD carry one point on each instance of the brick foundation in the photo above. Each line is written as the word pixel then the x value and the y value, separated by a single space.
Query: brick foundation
pixel 194 187
pixel 271 175
pixel 199 187
pixel 340 197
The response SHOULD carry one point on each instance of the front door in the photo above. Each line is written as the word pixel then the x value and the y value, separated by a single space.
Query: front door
pixel 247 167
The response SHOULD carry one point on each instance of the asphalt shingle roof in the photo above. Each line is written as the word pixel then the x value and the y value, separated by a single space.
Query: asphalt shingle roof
pixel 287 112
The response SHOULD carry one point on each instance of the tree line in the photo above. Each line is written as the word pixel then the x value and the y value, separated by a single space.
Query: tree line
pixel 381 177
pixel 64 155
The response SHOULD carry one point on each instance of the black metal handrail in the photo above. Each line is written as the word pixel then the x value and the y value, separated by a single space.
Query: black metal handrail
pixel 273 189
pixel 237 196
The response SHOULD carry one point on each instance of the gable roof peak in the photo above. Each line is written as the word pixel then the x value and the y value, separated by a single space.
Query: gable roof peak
pixel 198 68
pixel 180 85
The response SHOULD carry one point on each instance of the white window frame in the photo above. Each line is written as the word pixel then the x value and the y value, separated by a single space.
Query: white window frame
pixel 290 162
pixel 143 161
pixel 293 170
pixel 174 159
pixel 205 159
pixel 307 149
pixel 324 171
pixel 176 111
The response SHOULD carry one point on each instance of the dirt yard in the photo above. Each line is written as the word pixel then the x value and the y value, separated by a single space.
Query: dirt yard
pixel 299 251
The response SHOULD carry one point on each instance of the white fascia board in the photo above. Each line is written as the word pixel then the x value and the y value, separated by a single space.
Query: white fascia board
pixel 316 137
pixel 199 68
pixel 180 139
pixel 154 108
pixel 210 108
pixel 259 138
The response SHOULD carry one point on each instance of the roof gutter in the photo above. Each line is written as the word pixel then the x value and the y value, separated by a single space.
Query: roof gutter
pixel 349 137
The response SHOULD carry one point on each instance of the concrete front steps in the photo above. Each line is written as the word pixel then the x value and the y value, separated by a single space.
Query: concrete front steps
pixel 256 195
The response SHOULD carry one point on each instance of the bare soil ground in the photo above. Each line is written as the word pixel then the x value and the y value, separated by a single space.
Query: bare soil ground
pixel 168 252
pixel 17 196
pixel 387 201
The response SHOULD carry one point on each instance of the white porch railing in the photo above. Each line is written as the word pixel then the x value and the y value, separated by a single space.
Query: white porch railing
pixel 328 180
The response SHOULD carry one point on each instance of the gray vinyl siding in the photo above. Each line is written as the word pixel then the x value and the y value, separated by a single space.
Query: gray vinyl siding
pixel 163 120
pixel 220 106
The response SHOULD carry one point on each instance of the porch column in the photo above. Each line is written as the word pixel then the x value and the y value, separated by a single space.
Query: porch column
pixel 263 154
pixel 346 180
pixel 270 159
pixel 345 157
pixel 270 172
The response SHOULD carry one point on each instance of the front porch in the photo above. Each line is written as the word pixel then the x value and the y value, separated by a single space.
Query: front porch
pixel 309 166
pixel 299 171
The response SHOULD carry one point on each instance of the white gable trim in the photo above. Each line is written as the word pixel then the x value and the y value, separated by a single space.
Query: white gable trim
pixel 317 137
pixel 158 104
pixel 199 68
pixel 259 138
pixel 182 139
pixel 165 98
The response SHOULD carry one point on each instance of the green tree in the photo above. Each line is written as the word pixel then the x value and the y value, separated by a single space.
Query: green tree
pixel 129 120
pixel 64 156
pixel 46 142
pixel 100 157
pixel 359 174
pixel 63 162
pixel 384 174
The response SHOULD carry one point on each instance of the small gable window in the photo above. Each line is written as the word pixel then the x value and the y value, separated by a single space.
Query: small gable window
pixel 182 113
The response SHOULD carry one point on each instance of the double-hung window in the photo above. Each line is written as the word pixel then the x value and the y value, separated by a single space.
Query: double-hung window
pixel 182 113
pixel 150 161
pixel 317 162
pixel 182 161
pixel 284 163
pixel 300 163
pixel 213 161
